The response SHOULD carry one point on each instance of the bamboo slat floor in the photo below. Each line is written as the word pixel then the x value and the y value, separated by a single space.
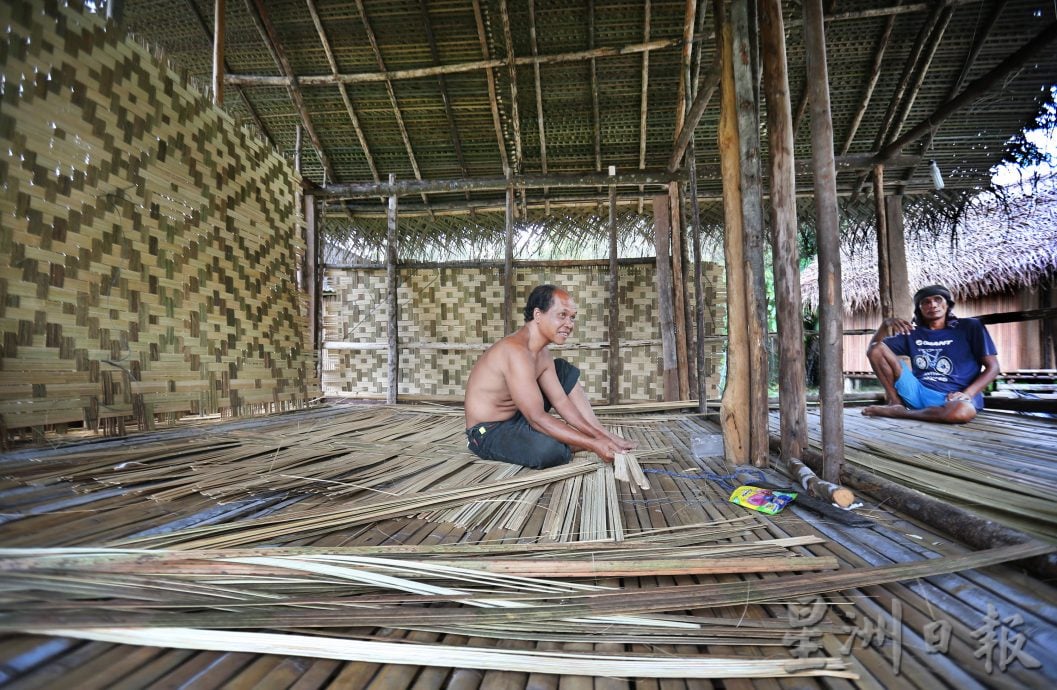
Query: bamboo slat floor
pixel 1000 465
pixel 357 480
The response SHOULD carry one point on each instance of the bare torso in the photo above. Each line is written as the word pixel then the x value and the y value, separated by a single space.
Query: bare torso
pixel 488 395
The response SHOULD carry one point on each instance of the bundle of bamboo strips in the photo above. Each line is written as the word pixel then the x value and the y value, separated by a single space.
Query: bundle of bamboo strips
pixel 630 472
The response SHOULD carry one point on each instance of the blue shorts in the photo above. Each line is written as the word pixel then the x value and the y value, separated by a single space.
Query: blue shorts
pixel 916 395
pixel 515 441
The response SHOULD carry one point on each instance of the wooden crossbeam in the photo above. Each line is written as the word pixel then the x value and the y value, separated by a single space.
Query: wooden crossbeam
pixel 405 187
pixel 421 72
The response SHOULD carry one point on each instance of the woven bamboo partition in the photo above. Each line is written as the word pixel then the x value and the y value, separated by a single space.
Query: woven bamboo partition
pixel 150 245
pixel 449 315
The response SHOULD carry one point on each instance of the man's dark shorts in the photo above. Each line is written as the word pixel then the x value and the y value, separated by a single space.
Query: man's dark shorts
pixel 514 440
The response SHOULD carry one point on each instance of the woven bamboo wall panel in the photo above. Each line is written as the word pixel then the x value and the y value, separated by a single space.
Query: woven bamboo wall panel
pixel 149 243
pixel 462 306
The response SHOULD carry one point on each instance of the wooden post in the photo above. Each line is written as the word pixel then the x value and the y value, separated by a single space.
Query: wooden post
pixel 792 388
pixel 748 119
pixel 884 262
pixel 218 52
pixel 699 296
pixel 508 263
pixel 614 298
pixel 897 257
pixel 678 306
pixel 734 409
pixel 311 269
pixel 391 298
pixel 831 328
pixel 665 312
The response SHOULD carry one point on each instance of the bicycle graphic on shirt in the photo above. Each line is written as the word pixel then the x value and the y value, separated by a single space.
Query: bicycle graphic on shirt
pixel 932 360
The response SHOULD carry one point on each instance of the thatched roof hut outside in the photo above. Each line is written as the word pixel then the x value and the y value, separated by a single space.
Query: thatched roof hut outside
pixel 1001 257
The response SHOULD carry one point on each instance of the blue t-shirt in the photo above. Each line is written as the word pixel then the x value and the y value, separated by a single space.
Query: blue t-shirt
pixel 948 359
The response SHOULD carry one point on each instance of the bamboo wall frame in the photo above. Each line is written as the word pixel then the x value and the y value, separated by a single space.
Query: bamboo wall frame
pixel 450 314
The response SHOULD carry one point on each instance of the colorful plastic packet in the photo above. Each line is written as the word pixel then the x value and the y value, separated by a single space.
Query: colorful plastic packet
pixel 763 500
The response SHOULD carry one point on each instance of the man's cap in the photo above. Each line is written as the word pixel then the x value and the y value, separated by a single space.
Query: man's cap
pixel 931 290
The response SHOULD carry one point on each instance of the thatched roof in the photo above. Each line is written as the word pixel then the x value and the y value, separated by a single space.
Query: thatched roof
pixel 450 89
pixel 1000 244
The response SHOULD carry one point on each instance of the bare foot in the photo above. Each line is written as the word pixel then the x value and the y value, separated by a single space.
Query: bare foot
pixel 884 410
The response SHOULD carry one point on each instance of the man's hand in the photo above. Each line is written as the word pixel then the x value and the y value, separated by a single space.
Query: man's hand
pixel 959 396
pixel 606 450
pixel 622 443
pixel 895 325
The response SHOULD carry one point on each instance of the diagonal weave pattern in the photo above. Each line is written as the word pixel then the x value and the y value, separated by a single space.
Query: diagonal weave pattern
pixel 150 244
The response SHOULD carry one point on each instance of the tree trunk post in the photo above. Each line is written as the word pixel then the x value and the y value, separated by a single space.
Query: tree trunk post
pixel 792 388
pixel 884 259
pixel 392 333
pixel 508 263
pixel 897 257
pixel 734 409
pixel 614 298
pixel 678 287
pixel 748 121
pixel 665 311
pixel 831 328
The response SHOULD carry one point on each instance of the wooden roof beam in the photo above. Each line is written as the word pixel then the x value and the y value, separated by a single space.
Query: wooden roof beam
pixel 449 113
pixel 242 94
pixel 596 113
pixel 644 98
pixel 539 89
pixel 325 42
pixel 970 59
pixel 392 93
pixel 697 109
pixel 972 92
pixel 493 99
pixel 871 82
pixel 271 41
pixel 511 63
pixel 886 131
pixel 682 96
pixel 423 72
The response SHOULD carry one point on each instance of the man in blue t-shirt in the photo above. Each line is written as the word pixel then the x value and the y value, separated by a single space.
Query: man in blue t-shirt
pixel 951 362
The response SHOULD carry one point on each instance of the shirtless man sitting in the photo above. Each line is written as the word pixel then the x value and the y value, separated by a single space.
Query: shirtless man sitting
pixel 953 361
pixel 516 382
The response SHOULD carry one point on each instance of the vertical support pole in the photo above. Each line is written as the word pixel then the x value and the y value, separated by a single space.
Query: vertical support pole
pixel 218 52
pixel 897 257
pixel 734 410
pixel 311 271
pixel 748 116
pixel 699 297
pixel 792 388
pixel 508 261
pixel 391 298
pixel 661 228
pixel 831 329
pixel 678 305
pixel 614 298
pixel 884 260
